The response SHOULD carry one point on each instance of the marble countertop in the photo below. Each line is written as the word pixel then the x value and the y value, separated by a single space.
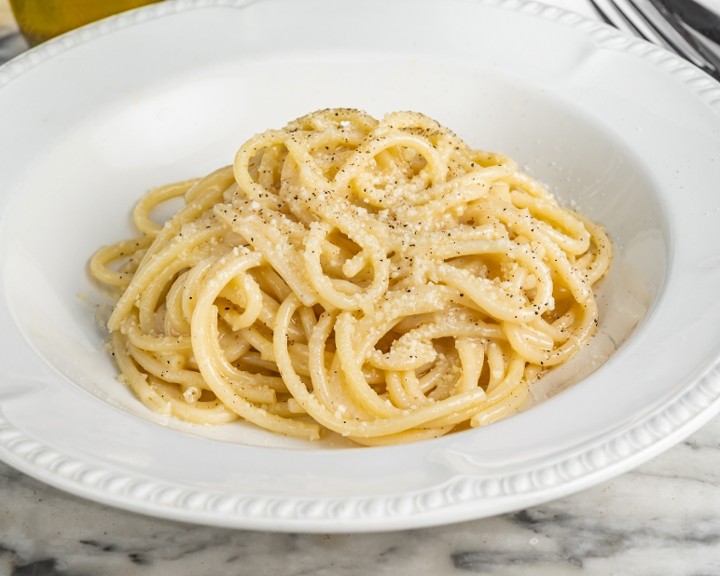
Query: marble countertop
pixel 662 518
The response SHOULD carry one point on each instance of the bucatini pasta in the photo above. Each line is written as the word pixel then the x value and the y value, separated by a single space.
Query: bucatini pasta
pixel 378 279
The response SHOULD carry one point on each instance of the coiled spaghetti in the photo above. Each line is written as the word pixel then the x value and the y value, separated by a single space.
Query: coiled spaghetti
pixel 379 279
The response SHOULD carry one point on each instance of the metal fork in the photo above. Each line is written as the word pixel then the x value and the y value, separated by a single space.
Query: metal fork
pixel 652 21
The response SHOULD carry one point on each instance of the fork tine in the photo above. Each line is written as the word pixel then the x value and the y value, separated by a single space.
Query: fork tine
pixel 619 13
pixel 601 12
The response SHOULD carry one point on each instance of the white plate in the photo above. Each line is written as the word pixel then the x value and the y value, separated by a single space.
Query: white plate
pixel 627 132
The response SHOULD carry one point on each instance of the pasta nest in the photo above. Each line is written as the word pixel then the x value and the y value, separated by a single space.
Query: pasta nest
pixel 378 279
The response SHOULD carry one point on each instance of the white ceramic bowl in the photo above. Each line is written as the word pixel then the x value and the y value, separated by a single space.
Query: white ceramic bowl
pixel 627 133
